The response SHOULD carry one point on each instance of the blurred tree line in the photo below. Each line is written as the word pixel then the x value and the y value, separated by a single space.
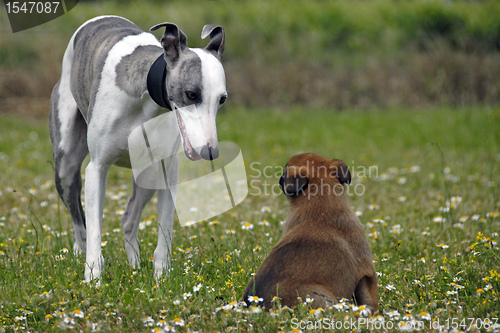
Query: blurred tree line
pixel 311 53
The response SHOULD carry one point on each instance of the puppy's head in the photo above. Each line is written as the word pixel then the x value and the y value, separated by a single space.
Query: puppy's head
pixel 313 175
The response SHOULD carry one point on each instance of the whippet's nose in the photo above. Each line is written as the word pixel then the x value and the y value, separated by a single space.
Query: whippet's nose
pixel 209 153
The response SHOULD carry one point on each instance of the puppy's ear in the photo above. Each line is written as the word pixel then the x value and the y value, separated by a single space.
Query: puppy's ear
pixel 342 172
pixel 217 39
pixel 292 185
pixel 174 41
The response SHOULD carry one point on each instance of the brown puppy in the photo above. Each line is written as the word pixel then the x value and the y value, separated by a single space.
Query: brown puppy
pixel 323 253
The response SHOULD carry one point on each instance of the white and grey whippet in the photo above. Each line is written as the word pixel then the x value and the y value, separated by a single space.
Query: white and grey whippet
pixel 114 78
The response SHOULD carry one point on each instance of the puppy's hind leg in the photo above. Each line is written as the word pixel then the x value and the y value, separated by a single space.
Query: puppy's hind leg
pixel 68 133
pixel 130 221
pixel 322 298
pixel 366 293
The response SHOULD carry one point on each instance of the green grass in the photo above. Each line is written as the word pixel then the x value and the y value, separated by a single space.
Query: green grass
pixel 425 161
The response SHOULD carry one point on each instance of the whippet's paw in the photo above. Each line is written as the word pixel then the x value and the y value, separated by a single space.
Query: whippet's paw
pixel 160 268
pixel 133 255
pixel 93 270
pixel 162 264
pixel 135 264
pixel 77 249
pixel 80 239
pixel 162 272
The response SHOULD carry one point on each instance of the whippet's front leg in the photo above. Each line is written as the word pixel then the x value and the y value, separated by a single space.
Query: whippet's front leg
pixel 130 221
pixel 166 208
pixel 95 187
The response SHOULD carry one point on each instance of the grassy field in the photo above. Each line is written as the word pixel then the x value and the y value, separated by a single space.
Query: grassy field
pixel 430 208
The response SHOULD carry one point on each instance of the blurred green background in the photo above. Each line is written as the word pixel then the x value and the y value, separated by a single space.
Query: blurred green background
pixel 335 55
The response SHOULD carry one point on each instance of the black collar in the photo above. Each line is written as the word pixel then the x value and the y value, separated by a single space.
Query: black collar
pixel 156 83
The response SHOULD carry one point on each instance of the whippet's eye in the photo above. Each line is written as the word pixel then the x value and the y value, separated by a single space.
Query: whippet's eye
pixel 191 95
pixel 222 100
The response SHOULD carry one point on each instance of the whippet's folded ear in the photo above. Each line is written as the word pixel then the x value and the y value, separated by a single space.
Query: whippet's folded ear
pixel 217 39
pixel 342 171
pixel 174 41
pixel 294 184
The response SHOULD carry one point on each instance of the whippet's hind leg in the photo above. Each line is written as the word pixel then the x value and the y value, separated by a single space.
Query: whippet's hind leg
pixel 68 133
pixel 130 221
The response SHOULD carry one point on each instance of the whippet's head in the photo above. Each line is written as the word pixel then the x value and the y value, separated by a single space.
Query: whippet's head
pixel 196 87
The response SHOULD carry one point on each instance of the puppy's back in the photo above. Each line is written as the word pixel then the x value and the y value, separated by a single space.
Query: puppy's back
pixel 312 261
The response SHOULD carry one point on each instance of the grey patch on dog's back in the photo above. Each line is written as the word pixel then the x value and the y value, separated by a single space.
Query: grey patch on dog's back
pixel 91 45
pixel 132 71
pixel 187 77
